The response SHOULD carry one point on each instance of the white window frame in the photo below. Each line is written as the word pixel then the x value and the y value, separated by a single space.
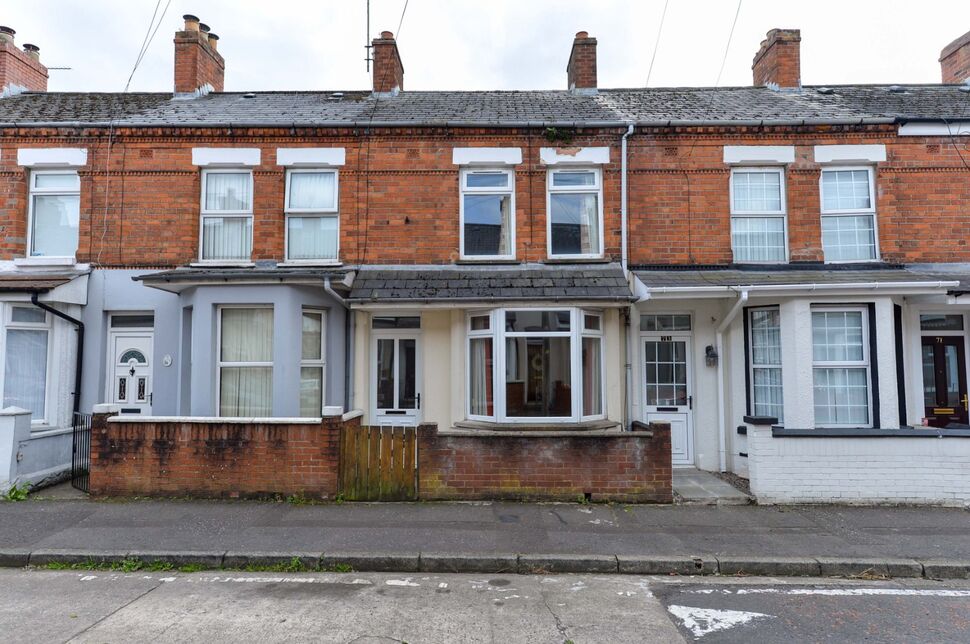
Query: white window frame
pixel 333 213
pixel 782 213
pixel 218 347
pixel 866 362
pixel 597 188
pixel 240 214
pixel 463 189
pixel 752 367
pixel 499 335
pixel 33 191
pixel 46 325
pixel 871 211
pixel 316 363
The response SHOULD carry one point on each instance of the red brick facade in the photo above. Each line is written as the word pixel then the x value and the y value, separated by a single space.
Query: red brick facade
pixel 778 61
pixel 21 67
pixel 955 60
pixel 214 459
pixel 626 467
pixel 581 70
pixel 196 60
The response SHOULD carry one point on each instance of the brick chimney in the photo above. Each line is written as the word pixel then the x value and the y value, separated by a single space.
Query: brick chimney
pixel 388 69
pixel 581 70
pixel 20 68
pixel 778 62
pixel 955 60
pixel 196 60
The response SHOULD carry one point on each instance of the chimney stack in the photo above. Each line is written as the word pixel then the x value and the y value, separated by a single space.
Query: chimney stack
pixel 581 69
pixel 388 69
pixel 778 62
pixel 197 62
pixel 955 60
pixel 20 68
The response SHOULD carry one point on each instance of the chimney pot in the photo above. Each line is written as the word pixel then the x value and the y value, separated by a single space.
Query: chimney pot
pixel 388 70
pixel 778 61
pixel 213 40
pixel 955 60
pixel 7 34
pixel 204 28
pixel 191 22
pixel 581 68
pixel 32 50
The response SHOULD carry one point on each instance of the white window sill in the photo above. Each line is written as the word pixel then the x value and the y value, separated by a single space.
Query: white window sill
pixel 44 261
pixel 297 263
pixel 218 263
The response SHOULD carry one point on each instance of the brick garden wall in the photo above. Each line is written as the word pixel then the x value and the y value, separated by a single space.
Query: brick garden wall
pixel 624 466
pixel 214 459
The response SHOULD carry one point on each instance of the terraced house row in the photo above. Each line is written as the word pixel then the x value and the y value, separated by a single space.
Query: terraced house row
pixel 566 292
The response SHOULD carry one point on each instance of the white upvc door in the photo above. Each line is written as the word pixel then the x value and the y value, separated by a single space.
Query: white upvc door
pixel 130 371
pixel 396 377
pixel 667 389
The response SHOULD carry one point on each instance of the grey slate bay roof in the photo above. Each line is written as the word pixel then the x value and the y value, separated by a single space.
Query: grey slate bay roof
pixel 650 106
pixel 525 283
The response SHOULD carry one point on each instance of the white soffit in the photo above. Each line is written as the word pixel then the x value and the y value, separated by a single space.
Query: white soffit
pixel 574 156
pixel 486 156
pixel 850 153
pixel 754 154
pixel 939 128
pixel 225 156
pixel 33 157
pixel 310 156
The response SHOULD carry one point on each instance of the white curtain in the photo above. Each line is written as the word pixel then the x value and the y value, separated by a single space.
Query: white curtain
pixel 25 371
pixel 312 330
pixel 247 337
pixel 480 368
pixel 55 225
pixel 227 191
pixel 592 377
pixel 311 391
pixel 227 238
pixel 312 190
pixel 312 237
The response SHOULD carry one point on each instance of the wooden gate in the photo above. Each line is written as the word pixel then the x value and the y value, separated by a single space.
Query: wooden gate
pixel 378 463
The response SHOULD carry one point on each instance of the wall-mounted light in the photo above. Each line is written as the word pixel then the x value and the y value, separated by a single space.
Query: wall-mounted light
pixel 710 355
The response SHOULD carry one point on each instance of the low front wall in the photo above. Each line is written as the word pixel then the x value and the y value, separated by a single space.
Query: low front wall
pixel 932 469
pixel 32 458
pixel 215 457
pixel 615 466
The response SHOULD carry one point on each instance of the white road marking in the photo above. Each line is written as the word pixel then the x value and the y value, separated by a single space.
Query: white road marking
pixel 837 592
pixel 401 582
pixel 88 577
pixel 704 621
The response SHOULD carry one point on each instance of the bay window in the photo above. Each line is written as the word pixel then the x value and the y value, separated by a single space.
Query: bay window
pixel 535 365
pixel 487 214
pixel 758 215
pixel 764 341
pixel 26 359
pixel 312 363
pixel 575 221
pixel 245 366
pixel 848 215
pixel 55 203
pixel 840 362
pixel 227 215
pixel 312 220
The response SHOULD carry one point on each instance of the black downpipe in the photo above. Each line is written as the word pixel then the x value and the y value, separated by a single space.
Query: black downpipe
pixel 80 345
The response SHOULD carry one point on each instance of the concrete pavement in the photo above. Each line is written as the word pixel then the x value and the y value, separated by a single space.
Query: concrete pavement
pixel 499 537
pixel 108 607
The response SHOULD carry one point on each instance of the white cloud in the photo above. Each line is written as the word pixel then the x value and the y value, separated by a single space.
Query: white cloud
pixel 498 44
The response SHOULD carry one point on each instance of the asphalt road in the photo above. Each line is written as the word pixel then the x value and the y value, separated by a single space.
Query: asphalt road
pixel 48 606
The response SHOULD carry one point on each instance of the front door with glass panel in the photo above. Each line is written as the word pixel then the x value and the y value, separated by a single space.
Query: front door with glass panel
pixel 130 381
pixel 396 371
pixel 667 393
pixel 944 380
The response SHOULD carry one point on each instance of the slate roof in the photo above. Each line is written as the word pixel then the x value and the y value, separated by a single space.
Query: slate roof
pixel 525 283
pixel 716 276
pixel 647 106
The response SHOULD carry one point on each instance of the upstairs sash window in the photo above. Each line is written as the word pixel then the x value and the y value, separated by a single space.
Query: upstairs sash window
pixel 227 215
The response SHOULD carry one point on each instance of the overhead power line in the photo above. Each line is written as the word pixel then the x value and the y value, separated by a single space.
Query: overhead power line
pixel 656 44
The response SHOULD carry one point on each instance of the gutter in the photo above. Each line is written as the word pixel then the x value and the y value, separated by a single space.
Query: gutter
pixel 80 346
pixel 875 286
pixel 719 342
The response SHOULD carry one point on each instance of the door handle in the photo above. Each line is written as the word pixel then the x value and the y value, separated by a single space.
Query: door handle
pixel 417 401
pixel 690 402
pixel 965 401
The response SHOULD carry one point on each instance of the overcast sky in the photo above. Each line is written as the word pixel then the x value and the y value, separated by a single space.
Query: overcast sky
pixel 488 44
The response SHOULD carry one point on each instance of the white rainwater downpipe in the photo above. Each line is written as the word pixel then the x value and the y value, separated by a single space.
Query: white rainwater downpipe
pixel 628 370
pixel 719 342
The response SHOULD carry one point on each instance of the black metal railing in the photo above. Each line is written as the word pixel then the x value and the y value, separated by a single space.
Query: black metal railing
pixel 81 452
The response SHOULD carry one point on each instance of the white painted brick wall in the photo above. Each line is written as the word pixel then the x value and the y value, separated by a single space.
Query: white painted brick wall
pixel 858 470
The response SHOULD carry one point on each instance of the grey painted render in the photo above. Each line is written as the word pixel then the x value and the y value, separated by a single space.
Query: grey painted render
pixel 187 323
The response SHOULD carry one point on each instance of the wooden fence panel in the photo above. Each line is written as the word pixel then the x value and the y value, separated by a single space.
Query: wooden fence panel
pixel 378 463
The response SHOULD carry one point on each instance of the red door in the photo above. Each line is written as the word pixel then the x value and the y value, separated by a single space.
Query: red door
pixel 944 380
